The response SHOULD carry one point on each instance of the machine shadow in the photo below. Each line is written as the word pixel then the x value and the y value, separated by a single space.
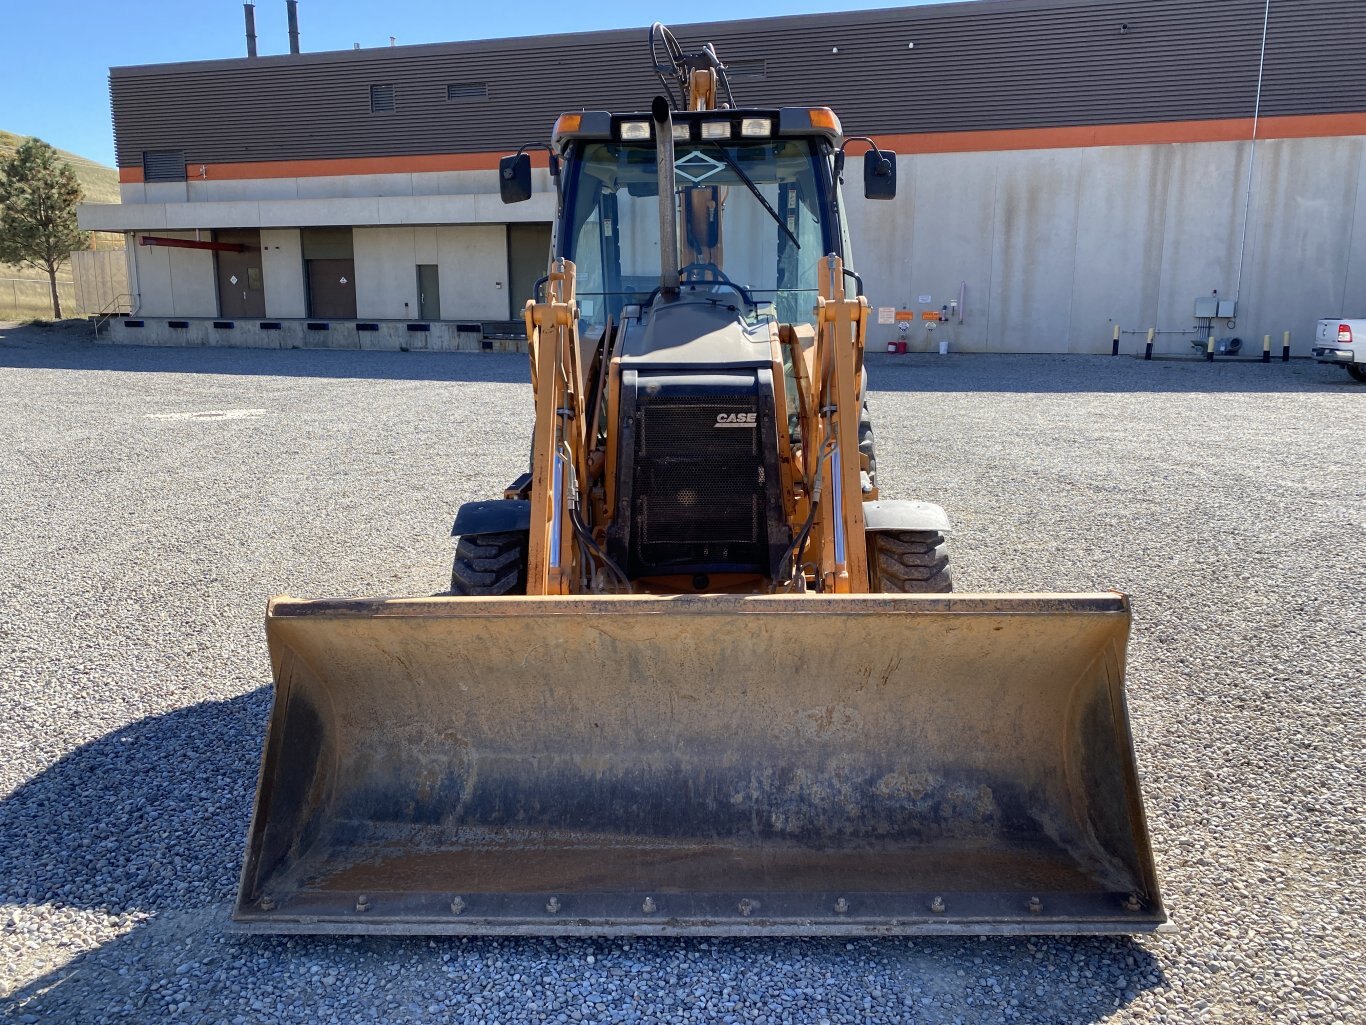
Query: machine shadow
pixel 151 820
pixel 148 818
pixel 179 961
pixel 30 349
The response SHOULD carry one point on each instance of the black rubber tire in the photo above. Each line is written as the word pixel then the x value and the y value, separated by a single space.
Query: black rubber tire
pixel 909 562
pixel 867 446
pixel 490 564
pixel 1358 371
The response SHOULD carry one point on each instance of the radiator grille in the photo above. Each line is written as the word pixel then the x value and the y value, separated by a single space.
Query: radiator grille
pixel 699 488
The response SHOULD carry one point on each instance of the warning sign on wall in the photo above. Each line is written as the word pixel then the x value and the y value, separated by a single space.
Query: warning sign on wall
pixel 886 314
pixel 905 314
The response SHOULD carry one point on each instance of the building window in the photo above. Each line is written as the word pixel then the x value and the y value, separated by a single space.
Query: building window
pixel 382 99
pixel 163 165
pixel 467 91
pixel 747 71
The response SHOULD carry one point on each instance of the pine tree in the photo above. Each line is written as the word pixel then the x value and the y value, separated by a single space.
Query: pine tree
pixel 38 197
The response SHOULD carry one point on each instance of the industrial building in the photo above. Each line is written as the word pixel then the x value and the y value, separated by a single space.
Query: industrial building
pixel 1065 167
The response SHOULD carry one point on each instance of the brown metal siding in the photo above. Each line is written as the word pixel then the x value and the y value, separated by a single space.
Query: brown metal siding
pixel 992 64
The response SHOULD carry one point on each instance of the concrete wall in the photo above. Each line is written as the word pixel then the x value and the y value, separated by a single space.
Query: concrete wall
pixel 1054 247
pixel 1051 248
pixel 101 277
pixel 472 262
pixel 175 282
pixel 464 208
pixel 474 269
pixel 282 271
pixel 335 186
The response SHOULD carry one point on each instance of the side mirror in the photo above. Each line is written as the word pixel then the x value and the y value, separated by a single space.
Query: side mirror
pixel 879 175
pixel 514 178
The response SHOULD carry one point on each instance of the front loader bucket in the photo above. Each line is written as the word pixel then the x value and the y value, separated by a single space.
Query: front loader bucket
pixel 700 765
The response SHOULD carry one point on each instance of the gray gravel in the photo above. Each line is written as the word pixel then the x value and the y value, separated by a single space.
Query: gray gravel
pixel 152 499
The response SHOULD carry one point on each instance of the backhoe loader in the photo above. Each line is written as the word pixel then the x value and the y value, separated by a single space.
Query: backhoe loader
pixel 694 674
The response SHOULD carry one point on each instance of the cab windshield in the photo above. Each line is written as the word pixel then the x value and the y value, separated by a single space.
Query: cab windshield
pixel 749 212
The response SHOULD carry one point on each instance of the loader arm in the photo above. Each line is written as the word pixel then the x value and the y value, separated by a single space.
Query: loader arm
pixel 841 322
pixel 559 446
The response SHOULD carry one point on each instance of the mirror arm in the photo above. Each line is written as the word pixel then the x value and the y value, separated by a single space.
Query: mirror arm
pixel 554 159
pixel 839 157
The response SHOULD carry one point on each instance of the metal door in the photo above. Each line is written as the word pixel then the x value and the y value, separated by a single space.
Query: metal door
pixel 241 288
pixel 528 258
pixel 331 289
pixel 428 292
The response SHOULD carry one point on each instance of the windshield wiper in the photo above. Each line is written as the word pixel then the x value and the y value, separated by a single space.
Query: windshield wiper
pixel 749 184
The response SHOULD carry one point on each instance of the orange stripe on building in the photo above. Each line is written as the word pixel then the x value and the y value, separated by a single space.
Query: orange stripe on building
pixel 1304 126
pixel 338 166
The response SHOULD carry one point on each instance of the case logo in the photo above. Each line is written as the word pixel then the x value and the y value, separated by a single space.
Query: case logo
pixel 736 419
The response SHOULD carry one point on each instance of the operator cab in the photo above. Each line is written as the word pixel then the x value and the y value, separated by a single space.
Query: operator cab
pixel 757 206
pixel 698 239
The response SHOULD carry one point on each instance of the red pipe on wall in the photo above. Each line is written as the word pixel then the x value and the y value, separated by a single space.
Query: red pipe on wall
pixel 189 243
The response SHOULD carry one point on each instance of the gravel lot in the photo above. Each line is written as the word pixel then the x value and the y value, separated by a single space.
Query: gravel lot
pixel 153 498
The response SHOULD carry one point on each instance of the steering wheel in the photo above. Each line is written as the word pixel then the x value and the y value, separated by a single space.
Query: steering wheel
pixel 719 279
pixel 708 267
pixel 671 66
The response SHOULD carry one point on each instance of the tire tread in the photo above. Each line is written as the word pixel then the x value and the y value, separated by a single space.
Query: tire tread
pixel 909 562
pixel 490 565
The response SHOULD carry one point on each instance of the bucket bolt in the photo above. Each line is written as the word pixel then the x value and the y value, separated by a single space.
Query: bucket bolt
pixel 457 905
pixel 648 905
pixel 841 906
pixel 1035 906
pixel 552 906
pixel 1132 903
pixel 746 907
pixel 362 903
pixel 937 905
pixel 267 903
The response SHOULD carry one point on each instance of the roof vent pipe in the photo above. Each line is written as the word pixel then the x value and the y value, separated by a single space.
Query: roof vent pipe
pixel 249 10
pixel 292 7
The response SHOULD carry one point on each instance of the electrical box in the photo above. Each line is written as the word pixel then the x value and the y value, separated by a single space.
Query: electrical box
pixel 1206 307
pixel 1228 309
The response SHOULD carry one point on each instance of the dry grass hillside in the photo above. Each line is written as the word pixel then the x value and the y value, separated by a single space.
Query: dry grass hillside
pixel 24 290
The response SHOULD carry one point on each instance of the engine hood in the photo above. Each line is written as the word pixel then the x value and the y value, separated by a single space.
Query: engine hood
pixel 697 329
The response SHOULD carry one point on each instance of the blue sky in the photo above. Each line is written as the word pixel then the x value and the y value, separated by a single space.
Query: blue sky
pixel 54 84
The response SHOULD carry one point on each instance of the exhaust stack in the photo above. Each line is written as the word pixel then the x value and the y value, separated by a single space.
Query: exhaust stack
pixel 668 205
pixel 292 8
pixel 249 12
